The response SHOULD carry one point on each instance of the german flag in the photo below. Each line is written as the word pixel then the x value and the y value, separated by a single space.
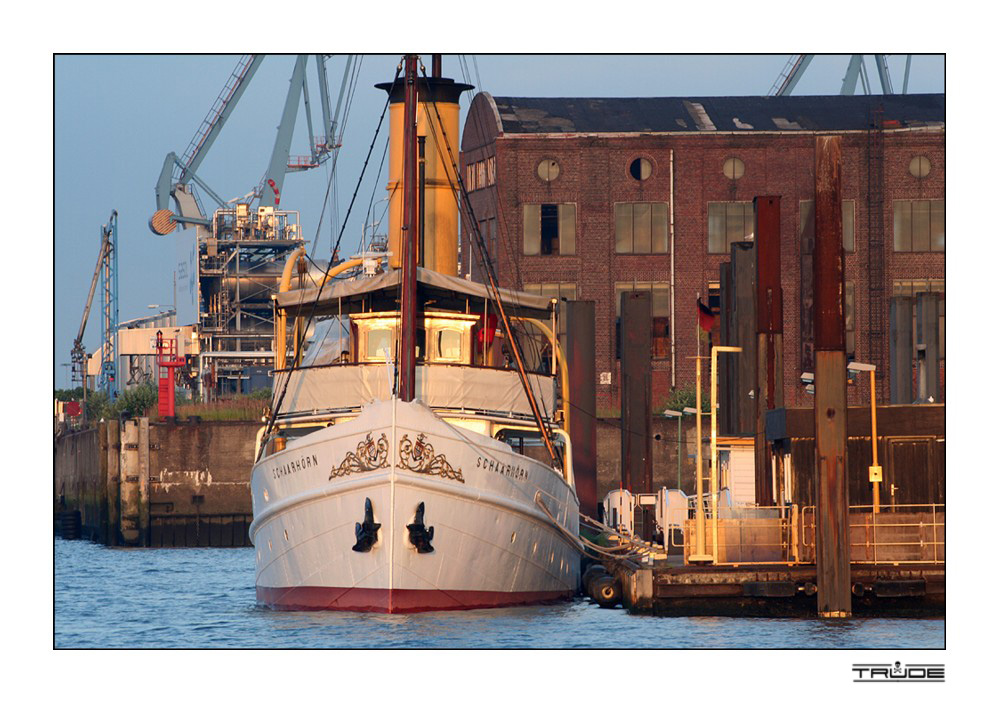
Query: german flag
pixel 705 316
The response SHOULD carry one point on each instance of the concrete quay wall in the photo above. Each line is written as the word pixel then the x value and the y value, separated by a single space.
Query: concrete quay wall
pixel 136 483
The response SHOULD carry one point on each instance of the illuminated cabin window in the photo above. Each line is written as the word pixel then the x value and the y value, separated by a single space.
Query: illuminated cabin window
pixel 449 345
pixel 449 337
pixel 376 331
pixel 377 340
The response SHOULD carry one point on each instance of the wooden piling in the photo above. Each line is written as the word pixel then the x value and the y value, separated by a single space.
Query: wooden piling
pixel 582 377
pixel 769 387
pixel 636 388
pixel 833 576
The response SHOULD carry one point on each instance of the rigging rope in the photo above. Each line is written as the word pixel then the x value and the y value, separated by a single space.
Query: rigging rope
pixel 300 339
pixel 463 196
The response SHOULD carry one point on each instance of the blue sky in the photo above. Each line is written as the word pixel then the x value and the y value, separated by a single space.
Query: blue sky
pixel 116 117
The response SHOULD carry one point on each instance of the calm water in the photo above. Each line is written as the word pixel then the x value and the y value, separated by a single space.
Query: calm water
pixel 204 598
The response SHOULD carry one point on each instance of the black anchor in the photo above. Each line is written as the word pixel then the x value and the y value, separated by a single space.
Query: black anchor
pixel 366 532
pixel 420 535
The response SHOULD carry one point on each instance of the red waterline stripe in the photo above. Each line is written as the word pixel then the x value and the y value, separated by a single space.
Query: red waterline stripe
pixel 395 601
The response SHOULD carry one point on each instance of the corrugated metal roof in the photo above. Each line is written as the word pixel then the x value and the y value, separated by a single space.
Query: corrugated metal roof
pixel 721 114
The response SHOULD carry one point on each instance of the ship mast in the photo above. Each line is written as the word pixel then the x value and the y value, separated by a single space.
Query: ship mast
pixel 408 303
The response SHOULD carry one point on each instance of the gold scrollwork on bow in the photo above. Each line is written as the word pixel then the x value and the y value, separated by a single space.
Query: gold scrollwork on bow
pixel 419 457
pixel 368 456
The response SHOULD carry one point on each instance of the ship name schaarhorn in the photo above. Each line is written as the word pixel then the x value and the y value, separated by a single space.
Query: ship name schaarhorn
pixel 304 462
pixel 512 471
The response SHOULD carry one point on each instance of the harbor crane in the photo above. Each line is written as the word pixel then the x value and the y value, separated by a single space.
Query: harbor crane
pixel 797 64
pixel 179 173
pixel 106 271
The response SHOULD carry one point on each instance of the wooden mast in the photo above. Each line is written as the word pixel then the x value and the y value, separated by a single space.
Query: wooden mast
pixel 408 303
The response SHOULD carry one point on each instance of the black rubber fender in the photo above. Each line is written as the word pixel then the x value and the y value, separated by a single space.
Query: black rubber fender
pixel 590 574
pixel 606 591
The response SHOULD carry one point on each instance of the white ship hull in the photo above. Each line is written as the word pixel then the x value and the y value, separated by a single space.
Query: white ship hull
pixel 492 543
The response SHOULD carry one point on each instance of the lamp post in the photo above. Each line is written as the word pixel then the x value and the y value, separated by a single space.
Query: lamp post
pixel 699 516
pixel 678 415
pixel 714 460
pixel 874 471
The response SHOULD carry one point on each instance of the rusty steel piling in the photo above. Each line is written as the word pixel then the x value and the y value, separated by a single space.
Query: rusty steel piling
pixel 832 546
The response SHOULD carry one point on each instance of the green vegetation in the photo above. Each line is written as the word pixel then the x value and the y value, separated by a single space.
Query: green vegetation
pixel 141 400
pixel 680 399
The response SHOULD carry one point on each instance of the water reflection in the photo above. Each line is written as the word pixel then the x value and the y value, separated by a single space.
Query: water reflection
pixel 205 598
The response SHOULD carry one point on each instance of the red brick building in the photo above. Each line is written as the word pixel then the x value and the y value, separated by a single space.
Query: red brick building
pixel 586 197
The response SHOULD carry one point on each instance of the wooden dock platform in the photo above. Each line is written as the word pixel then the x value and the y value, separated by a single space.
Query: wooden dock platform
pixel 775 590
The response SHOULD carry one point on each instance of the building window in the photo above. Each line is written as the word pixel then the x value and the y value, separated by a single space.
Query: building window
pixel 491 171
pixel 641 228
pixel 910 288
pixel 481 174
pixel 733 168
pixel 548 169
pixel 727 223
pixel 558 290
pixel 715 297
pixel 920 166
pixel 640 169
pixel 807 222
pixel 660 312
pixel 918 225
pixel 550 228
pixel 470 177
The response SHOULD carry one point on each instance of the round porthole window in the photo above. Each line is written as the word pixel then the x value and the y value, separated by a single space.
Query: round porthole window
pixel 548 169
pixel 640 169
pixel 733 168
pixel 920 166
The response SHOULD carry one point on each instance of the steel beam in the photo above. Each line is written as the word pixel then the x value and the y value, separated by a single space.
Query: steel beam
pixel 832 544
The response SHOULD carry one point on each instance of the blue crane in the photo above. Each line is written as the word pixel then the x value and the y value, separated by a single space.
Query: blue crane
pixel 797 64
pixel 178 174
pixel 106 271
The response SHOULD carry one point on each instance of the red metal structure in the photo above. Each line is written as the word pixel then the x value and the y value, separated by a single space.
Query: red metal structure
pixel 167 361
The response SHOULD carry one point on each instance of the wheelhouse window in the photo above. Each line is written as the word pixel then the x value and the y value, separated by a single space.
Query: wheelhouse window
pixel 550 228
pixel 641 228
pixel 449 337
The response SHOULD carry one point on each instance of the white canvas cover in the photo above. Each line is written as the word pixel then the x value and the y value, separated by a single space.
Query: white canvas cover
pixel 437 385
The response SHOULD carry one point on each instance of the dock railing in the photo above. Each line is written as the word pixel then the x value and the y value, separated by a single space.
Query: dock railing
pixel 761 535
pixel 758 535
pixel 897 535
